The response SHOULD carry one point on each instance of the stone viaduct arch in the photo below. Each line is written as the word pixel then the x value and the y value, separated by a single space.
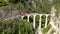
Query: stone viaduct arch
pixel 34 16
pixel 40 15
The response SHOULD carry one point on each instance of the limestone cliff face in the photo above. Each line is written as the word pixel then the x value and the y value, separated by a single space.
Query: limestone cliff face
pixel 55 21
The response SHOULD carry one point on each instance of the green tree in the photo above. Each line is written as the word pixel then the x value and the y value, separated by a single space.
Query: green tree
pixel 16 27
pixel 4 2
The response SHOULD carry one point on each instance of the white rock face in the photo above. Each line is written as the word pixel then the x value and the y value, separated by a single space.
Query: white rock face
pixel 54 21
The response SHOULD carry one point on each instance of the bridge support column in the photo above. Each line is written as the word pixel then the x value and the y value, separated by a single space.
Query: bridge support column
pixel 22 17
pixel 28 18
pixel 46 20
pixel 39 32
pixel 34 20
